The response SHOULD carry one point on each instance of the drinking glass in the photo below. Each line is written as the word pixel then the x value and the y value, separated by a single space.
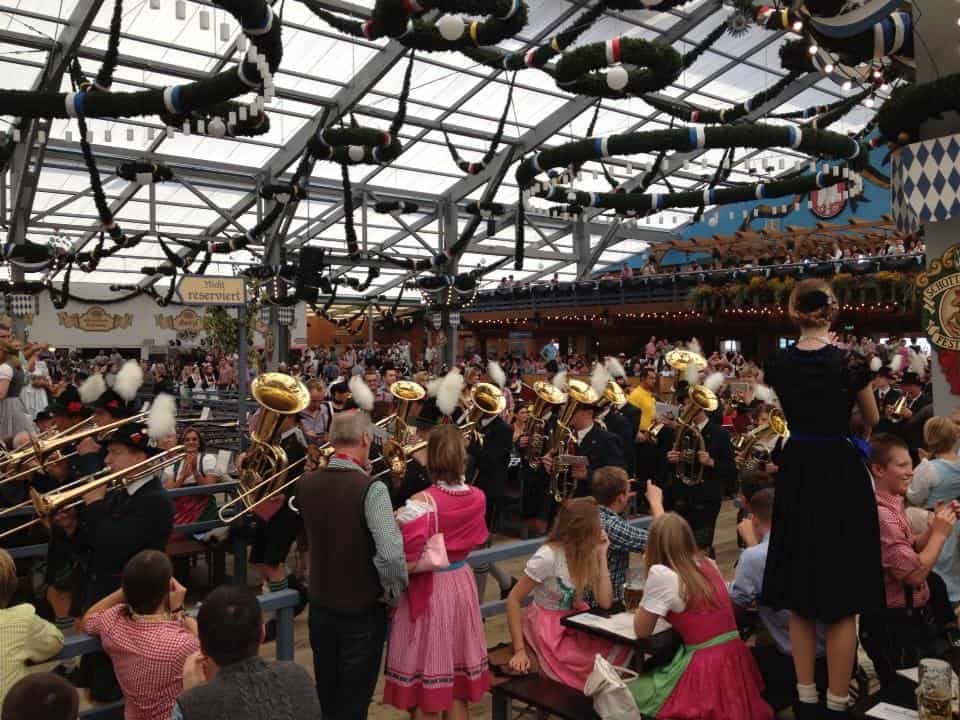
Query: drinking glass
pixel 935 691
pixel 633 588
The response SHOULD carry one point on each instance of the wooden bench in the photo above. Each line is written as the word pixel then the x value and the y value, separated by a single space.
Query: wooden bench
pixel 542 694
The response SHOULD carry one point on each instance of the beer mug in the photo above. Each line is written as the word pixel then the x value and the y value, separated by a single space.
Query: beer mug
pixel 935 690
pixel 633 588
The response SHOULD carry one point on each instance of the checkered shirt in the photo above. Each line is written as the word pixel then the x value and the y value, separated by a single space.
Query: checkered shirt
pixel 897 551
pixel 624 539
pixel 147 657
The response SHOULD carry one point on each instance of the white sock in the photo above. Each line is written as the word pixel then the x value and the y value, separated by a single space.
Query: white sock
pixel 837 703
pixel 808 693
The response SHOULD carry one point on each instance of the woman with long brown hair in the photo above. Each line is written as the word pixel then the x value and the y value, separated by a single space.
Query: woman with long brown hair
pixel 437 662
pixel 571 561
pixel 713 675
pixel 824 559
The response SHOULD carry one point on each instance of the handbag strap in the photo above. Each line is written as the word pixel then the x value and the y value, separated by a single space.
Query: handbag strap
pixel 436 511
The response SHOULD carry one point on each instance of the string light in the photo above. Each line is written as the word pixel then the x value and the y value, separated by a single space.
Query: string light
pixel 813 49
pixel 828 68
pixel 797 26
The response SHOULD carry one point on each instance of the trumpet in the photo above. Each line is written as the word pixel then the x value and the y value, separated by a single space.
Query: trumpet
pixel 562 485
pixel 549 397
pixel 253 498
pixel 689 441
pixel 71 495
pixel 39 449
pixel 897 412
pixel 751 453
pixel 395 451
pixel 485 399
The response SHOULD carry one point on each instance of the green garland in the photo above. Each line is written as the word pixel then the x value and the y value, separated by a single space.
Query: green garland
pixel 909 106
pixel 657 65
pixel 399 19
pixel 819 143
pixel 627 203
pixel 687 113
pixel 355 146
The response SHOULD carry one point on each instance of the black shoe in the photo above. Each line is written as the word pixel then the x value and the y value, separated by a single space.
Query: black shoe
pixel 806 711
pixel 504 594
pixel 72 674
pixel 270 631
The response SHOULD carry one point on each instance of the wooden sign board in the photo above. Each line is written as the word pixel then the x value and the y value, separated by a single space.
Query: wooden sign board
pixel 206 290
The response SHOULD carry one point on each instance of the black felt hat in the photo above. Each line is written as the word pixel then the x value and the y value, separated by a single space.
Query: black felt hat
pixel 113 404
pixel 68 404
pixel 134 436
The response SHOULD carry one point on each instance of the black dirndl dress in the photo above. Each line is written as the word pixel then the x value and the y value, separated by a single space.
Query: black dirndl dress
pixel 824 558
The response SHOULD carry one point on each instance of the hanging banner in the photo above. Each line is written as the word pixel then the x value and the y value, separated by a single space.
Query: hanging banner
pixel 96 319
pixel 940 289
pixel 187 320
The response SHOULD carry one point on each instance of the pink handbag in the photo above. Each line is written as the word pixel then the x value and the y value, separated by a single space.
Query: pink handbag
pixel 434 554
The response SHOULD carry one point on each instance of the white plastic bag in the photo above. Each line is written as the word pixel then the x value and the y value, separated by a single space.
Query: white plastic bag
pixel 611 696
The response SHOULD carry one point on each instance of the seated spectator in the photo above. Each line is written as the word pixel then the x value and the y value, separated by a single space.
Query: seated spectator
pixel 773 658
pixel 24 637
pixel 142 628
pixel 197 467
pixel 937 480
pixel 611 488
pixel 41 696
pixel 910 628
pixel 714 675
pixel 751 482
pixel 222 678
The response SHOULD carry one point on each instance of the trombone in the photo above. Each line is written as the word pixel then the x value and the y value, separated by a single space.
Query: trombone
pixel 319 456
pixel 71 495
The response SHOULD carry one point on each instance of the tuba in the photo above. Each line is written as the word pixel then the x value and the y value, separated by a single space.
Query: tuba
pixel 562 485
pixel 549 398
pixel 71 495
pixel 751 452
pixel 395 450
pixel 265 464
pixel 689 440
pixel 485 399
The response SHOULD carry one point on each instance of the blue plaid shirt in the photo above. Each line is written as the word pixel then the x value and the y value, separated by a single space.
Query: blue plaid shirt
pixel 624 539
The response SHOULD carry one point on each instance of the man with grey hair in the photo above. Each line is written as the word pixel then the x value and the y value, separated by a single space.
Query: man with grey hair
pixel 357 568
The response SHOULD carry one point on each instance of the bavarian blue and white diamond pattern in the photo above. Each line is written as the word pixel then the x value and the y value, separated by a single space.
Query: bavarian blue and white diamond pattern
pixel 925 184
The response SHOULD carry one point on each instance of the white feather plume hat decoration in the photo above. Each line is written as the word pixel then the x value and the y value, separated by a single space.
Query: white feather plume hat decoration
pixel 449 391
pixel 764 393
pixel 129 379
pixel 875 364
pixel 92 388
pixel 614 367
pixel 715 381
pixel 496 374
pixel 691 374
pixel 694 346
pixel 162 418
pixel 432 387
pixel 896 362
pixel 599 378
pixel 917 363
pixel 361 392
pixel 560 381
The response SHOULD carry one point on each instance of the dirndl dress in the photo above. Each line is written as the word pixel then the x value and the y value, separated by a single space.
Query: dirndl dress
pixel 13 413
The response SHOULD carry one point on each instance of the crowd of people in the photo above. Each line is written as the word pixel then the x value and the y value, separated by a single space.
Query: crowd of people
pixel 854 505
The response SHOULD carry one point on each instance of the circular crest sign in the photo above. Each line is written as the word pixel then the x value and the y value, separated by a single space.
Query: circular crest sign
pixel 940 288
pixel 829 202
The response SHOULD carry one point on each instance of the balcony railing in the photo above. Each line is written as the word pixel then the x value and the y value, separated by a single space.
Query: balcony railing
pixel 675 287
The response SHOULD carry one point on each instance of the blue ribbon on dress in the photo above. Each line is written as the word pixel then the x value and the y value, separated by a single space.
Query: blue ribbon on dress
pixel 453 566
pixel 862 446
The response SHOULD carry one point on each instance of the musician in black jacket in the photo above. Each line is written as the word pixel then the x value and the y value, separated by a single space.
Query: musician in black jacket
pixel 700 503
pixel 136 517
pixel 915 412
pixel 618 424
pixel 886 396
pixel 599 447
pixel 488 461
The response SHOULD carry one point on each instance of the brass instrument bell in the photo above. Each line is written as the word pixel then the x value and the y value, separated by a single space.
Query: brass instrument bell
pixel 689 441
pixel 485 399
pixel 579 394
pixel 549 397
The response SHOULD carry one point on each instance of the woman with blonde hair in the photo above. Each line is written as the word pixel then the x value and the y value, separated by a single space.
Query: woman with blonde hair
pixel 25 637
pixel 437 661
pixel 937 480
pixel 571 561
pixel 713 675
pixel 824 558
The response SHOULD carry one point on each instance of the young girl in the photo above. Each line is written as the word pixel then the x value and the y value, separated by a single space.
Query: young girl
pixel 573 560
pixel 714 676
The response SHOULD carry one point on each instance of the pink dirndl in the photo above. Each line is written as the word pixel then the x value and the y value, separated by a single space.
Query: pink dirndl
pixel 437 652
pixel 565 654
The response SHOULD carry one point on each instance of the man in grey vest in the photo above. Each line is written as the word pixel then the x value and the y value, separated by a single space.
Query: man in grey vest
pixel 357 569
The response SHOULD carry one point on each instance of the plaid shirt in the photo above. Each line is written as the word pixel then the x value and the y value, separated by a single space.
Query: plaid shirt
pixel 147 657
pixel 624 539
pixel 897 551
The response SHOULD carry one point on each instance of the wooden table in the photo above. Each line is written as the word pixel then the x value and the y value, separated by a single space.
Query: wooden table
pixel 661 646
pixel 901 691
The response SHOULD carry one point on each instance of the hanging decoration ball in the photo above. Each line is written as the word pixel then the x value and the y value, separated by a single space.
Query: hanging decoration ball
pixel 451 27
pixel 356 153
pixel 216 128
pixel 617 78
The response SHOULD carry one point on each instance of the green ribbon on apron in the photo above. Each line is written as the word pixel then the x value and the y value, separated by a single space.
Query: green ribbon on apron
pixel 650 691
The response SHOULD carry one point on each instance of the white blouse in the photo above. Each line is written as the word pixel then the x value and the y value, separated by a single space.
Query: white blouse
pixel 661 594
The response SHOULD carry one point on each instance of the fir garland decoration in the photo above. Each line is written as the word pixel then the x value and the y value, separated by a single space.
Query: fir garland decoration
pixel 104 77
pixel 909 106
pixel 255 16
pixel 834 110
pixel 687 113
pixel 809 141
pixel 657 65
pixel 478 167
pixel 625 203
pixel 396 206
pixel 220 120
pixel 400 20
pixel 133 171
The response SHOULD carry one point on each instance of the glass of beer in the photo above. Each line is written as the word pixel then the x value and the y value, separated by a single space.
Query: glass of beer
pixel 935 690
pixel 633 589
